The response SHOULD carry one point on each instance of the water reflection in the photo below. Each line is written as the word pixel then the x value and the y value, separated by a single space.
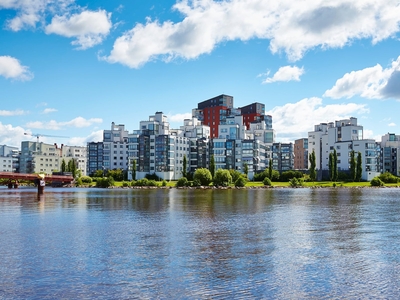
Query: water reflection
pixel 170 243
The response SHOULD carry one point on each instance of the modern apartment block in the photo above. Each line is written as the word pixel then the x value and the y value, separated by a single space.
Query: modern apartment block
pixel 9 159
pixel 390 154
pixel 282 156
pixel 301 154
pixel 213 112
pixel 95 157
pixel 76 153
pixel 345 136
pixel 39 158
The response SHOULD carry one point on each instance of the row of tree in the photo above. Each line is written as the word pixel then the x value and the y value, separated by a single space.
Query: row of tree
pixel 355 166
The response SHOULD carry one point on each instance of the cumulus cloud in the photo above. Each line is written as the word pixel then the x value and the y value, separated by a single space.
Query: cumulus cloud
pixel 292 27
pixel 179 117
pixel 31 12
pixel 372 83
pixel 287 73
pixel 392 124
pixel 49 110
pixel 11 67
pixel 78 122
pixel 9 113
pixel 96 136
pixel 11 136
pixel 88 27
pixel 295 120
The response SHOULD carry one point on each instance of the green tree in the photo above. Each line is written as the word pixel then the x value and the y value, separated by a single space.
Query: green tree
pixel 202 176
pixel 134 168
pixel 184 166
pixel 222 178
pixel 270 168
pixel 63 165
pixel 331 162
pixel 359 167
pixel 313 173
pixel 245 169
pixel 212 166
pixel 352 166
pixel 335 168
pixel 71 167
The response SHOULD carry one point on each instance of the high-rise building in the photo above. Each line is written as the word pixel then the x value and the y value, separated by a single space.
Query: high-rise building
pixel 301 154
pixel 213 112
pixel 390 154
pixel 252 113
pixel 345 136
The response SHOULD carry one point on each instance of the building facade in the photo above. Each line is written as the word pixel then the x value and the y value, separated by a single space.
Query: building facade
pixel 301 154
pixel 390 154
pixel 9 159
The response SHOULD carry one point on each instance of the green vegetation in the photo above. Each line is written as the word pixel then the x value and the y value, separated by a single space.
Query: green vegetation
pixel 313 173
pixel 377 182
pixel 222 178
pixel 202 176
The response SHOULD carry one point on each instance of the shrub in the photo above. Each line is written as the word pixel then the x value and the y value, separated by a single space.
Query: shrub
pixel 142 182
pixel 182 182
pixel 152 177
pixel 86 179
pixel 222 178
pixel 152 183
pixel 105 182
pixel 203 176
pixel 235 174
pixel 241 182
pixel 288 175
pixel 376 182
pixel 388 177
pixel 267 181
pixel 296 182
pixel 164 183
pixel 125 183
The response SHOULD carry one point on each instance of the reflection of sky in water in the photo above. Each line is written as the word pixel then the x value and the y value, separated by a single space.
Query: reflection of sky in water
pixel 169 243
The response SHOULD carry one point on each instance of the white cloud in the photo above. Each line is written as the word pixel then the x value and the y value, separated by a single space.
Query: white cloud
pixel 11 136
pixel 295 120
pixel 392 124
pixel 31 12
pixel 96 136
pixel 291 26
pixel 49 110
pixel 286 73
pixel 88 27
pixel 78 122
pixel 179 117
pixel 373 83
pixel 10 67
pixel 8 113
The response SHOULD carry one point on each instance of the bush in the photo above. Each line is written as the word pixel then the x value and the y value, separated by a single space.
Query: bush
pixel 125 183
pixel 376 182
pixel 296 182
pixel 241 182
pixel 86 179
pixel 152 177
pixel 164 183
pixel 235 174
pixel 222 178
pixel 288 175
pixel 388 177
pixel 142 182
pixel 202 176
pixel 182 182
pixel 267 181
pixel 105 182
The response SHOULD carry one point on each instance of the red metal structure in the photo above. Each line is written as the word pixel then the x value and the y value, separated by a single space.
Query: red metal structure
pixel 13 179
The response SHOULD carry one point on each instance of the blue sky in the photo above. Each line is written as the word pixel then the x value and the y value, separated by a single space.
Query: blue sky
pixel 70 68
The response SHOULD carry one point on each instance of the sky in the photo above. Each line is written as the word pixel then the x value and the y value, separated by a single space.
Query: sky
pixel 70 68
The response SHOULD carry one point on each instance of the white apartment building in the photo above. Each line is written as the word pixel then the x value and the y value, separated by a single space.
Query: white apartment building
pixel 345 136
pixel 115 148
pixel 76 153
pixel 9 159
pixel 39 158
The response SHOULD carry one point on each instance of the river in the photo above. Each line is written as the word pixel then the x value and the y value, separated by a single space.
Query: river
pixel 72 243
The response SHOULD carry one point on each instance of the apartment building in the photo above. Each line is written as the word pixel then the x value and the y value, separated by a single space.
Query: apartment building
pixel 38 157
pixel 390 154
pixel 345 136
pixel 301 154
pixel 77 154
pixel 9 159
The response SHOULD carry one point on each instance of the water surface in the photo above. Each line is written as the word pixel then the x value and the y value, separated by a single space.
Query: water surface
pixel 200 244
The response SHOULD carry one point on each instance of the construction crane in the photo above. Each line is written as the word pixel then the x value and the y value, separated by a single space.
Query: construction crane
pixel 44 135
